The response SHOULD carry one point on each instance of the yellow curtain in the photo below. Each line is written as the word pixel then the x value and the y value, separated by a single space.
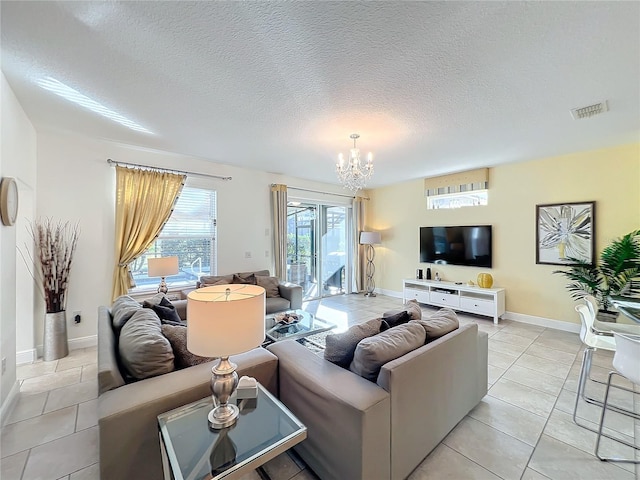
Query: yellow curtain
pixel 279 217
pixel 144 202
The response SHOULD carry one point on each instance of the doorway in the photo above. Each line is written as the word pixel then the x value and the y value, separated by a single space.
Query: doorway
pixel 317 253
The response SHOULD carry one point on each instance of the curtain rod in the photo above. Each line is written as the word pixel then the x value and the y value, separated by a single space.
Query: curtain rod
pixel 170 170
pixel 323 193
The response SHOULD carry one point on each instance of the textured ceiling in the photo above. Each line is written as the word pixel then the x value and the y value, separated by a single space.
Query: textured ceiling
pixel 431 87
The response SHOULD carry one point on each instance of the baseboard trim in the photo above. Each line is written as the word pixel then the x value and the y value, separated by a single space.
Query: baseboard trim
pixel 26 356
pixel 9 403
pixel 515 317
pixel 77 343
pixel 542 322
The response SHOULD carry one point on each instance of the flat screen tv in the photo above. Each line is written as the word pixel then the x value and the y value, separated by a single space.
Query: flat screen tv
pixel 463 245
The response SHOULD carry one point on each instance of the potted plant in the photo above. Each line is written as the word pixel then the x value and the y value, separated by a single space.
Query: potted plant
pixel 55 244
pixel 618 264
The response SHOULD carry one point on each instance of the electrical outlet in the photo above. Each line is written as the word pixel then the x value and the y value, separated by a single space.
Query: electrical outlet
pixel 266 253
pixel 4 365
pixel 77 316
pixel 247 254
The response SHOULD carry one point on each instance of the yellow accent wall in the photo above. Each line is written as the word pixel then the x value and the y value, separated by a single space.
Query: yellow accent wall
pixel 610 176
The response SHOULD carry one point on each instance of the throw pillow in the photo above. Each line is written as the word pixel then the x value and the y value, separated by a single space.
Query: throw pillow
pixel 122 310
pixel 248 280
pixel 165 310
pixel 373 352
pixel 144 351
pixel 414 310
pixel 394 320
pixel 208 280
pixel 440 323
pixel 270 284
pixel 177 336
pixel 340 347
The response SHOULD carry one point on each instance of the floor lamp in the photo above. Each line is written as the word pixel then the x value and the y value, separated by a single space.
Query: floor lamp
pixel 370 239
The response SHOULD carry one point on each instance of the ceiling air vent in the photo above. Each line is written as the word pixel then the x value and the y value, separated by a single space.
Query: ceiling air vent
pixel 589 111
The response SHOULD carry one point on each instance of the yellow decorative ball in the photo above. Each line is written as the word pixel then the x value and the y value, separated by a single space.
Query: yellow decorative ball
pixel 485 280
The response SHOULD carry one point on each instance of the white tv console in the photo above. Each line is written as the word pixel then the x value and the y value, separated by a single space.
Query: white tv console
pixel 482 301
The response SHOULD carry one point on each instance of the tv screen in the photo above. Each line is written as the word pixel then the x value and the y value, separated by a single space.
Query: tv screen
pixel 464 245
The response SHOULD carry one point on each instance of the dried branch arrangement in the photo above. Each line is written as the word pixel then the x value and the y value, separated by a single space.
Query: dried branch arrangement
pixel 55 244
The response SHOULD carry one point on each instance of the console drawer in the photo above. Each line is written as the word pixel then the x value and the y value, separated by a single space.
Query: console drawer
pixel 445 299
pixel 479 306
pixel 420 296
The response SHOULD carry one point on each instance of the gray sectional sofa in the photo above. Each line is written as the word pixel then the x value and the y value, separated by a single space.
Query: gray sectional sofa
pixel 357 429
pixel 360 430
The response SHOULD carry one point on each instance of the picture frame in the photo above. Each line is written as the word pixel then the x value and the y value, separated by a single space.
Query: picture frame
pixel 565 231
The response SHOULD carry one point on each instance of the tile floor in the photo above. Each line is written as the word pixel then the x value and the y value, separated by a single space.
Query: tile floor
pixel 521 430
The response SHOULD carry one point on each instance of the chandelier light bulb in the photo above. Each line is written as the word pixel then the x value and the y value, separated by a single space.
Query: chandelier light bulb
pixel 355 173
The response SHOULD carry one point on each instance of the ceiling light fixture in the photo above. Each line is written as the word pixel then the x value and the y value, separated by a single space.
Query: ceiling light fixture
pixel 74 96
pixel 354 174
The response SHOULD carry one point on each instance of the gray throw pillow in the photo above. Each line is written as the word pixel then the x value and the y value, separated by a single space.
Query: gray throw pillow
pixel 270 284
pixel 122 310
pixel 177 336
pixel 440 323
pixel 248 280
pixel 412 307
pixel 340 347
pixel 165 311
pixel 144 351
pixel 209 280
pixel 373 352
pixel 414 310
pixel 394 320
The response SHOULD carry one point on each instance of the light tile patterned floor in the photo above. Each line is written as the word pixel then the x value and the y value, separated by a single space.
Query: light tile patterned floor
pixel 521 430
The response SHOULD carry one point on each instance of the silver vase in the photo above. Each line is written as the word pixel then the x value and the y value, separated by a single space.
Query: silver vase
pixel 55 344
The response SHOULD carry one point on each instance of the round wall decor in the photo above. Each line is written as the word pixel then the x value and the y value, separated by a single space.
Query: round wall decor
pixel 8 200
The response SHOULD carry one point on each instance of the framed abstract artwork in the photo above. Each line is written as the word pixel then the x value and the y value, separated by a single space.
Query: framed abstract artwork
pixel 565 232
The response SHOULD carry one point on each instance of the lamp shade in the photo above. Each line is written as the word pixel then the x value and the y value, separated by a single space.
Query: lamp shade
pixel 163 266
pixel 370 238
pixel 225 319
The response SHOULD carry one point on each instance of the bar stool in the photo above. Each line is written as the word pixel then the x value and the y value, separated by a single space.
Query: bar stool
pixel 595 339
pixel 626 362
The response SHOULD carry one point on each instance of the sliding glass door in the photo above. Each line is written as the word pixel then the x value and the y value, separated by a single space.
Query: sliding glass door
pixel 317 253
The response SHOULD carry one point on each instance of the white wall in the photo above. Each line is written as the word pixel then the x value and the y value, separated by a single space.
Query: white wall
pixel 17 159
pixel 76 184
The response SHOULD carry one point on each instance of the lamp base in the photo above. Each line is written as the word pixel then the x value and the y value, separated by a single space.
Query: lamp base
pixel 223 417
pixel 162 288
pixel 224 381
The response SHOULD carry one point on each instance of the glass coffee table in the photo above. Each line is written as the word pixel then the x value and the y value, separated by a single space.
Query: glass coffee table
pixel 193 451
pixel 307 325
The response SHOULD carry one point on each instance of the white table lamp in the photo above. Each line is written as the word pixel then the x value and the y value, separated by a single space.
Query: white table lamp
pixel 224 320
pixel 370 239
pixel 163 267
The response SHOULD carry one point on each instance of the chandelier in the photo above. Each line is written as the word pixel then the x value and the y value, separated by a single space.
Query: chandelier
pixel 353 173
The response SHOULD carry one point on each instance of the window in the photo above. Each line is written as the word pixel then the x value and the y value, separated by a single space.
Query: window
pixel 189 234
pixel 458 200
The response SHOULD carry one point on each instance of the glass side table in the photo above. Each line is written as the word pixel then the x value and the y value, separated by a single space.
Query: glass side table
pixel 193 451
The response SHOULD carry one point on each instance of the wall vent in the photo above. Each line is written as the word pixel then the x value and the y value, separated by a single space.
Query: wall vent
pixel 589 111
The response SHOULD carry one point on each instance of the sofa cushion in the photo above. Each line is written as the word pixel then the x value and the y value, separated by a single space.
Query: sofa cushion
pixel 209 280
pixel 340 347
pixel 144 351
pixel 270 284
pixel 122 310
pixel 276 304
pixel 177 336
pixel 394 320
pixel 373 352
pixel 440 323
pixel 165 310
pixel 242 279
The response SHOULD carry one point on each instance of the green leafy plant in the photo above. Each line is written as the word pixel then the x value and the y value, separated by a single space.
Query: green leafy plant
pixel 619 263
